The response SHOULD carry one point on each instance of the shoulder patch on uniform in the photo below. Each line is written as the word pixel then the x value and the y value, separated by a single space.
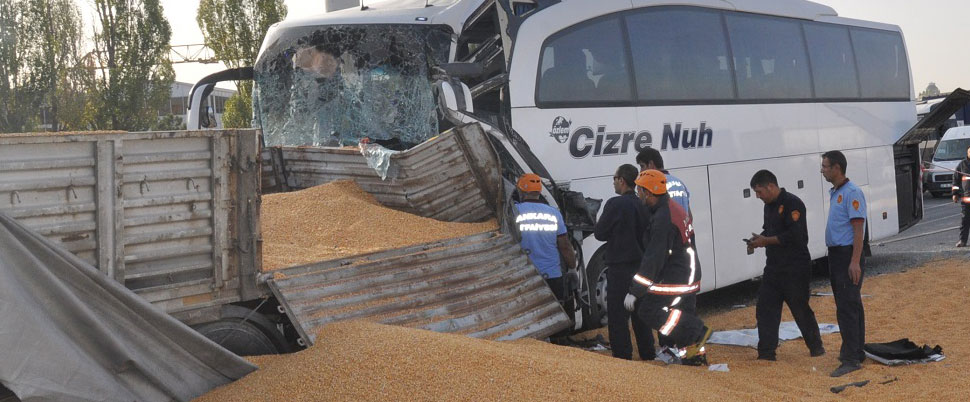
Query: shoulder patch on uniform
pixel 839 200
pixel 795 215
pixel 781 209
pixel 855 204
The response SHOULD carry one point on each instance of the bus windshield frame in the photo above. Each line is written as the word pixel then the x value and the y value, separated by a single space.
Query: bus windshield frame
pixel 332 85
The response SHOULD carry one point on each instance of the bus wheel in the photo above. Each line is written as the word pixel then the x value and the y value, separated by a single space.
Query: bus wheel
pixel 596 278
pixel 240 337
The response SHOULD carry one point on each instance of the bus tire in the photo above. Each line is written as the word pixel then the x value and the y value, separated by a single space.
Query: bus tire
pixel 240 337
pixel 596 280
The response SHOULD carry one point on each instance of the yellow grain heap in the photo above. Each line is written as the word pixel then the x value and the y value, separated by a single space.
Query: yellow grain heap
pixel 359 361
pixel 339 219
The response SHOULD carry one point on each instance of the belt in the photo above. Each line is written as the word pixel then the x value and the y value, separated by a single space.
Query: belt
pixel 839 247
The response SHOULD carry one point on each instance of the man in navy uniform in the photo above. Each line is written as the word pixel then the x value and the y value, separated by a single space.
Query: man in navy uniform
pixel 788 269
pixel 621 226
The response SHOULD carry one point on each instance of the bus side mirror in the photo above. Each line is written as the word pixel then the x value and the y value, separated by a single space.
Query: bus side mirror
pixel 454 95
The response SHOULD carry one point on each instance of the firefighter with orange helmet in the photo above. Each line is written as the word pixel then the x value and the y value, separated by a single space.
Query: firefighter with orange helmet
pixel 543 233
pixel 668 274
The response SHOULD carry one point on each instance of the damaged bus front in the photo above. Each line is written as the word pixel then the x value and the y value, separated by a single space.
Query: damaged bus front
pixel 335 84
pixel 387 74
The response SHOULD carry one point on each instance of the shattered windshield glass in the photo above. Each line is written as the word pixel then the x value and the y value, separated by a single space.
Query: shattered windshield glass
pixel 333 85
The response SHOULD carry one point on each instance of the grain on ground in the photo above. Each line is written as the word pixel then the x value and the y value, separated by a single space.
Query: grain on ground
pixel 355 361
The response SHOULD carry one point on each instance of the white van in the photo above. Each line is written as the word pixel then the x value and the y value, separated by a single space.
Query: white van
pixel 952 149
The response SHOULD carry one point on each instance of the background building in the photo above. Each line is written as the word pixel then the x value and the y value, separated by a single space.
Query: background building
pixel 179 100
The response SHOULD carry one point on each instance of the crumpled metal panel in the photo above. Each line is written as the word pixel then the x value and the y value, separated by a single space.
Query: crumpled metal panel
pixel 453 177
pixel 481 285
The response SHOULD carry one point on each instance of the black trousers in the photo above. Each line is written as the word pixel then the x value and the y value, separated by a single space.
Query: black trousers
pixel 848 304
pixel 687 328
pixel 965 223
pixel 789 285
pixel 618 279
pixel 560 289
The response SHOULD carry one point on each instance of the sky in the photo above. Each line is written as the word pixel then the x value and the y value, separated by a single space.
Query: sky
pixel 936 34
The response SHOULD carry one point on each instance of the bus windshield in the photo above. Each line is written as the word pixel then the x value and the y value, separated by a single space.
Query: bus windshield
pixel 333 85
pixel 952 150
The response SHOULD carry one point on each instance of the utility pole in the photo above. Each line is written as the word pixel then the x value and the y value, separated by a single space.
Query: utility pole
pixel 194 53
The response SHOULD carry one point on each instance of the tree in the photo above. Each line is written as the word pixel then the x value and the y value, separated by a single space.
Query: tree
pixel 168 123
pixel 16 96
pixel 55 29
pixel 131 50
pixel 239 111
pixel 234 30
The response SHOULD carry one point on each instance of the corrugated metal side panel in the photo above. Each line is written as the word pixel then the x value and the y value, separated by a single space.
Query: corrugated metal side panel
pixel 176 220
pixel 481 285
pixel 168 211
pixel 453 177
pixel 271 171
pixel 153 210
pixel 52 188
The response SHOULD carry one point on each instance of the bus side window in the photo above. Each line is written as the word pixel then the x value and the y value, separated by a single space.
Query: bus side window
pixel 679 64
pixel 883 71
pixel 567 78
pixel 770 57
pixel 833 62
pixel 588 64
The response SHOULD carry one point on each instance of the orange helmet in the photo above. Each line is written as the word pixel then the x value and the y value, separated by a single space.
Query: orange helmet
pixel 653 181
pixel 529 183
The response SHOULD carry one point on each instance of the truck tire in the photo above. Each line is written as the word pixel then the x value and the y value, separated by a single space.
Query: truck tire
pixel 240 337
pixel 595 317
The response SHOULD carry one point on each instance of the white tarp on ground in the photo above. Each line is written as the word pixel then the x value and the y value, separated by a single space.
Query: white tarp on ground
pixel 69 333
pixel 788 330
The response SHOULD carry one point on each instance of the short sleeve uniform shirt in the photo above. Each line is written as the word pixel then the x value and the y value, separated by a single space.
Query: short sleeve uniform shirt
pixel 845 204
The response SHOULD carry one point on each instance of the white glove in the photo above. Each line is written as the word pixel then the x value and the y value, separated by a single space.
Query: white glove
pixel 629 302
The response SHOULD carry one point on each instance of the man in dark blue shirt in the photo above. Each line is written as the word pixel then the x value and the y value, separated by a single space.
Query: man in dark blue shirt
pixel 621 227
pixel 788 269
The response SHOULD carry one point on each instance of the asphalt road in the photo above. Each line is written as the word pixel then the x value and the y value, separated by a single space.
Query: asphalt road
pixel 932 238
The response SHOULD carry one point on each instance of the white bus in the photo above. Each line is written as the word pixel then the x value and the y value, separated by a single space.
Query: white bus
pixel 572 89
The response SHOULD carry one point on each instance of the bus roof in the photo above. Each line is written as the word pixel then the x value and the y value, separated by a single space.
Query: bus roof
pixel 449 12
pixel 455 12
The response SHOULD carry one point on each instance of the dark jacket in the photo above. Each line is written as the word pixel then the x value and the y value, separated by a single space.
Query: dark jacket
pixel 620 226
pixel 669 262
pixel 785 219
pixel 961 181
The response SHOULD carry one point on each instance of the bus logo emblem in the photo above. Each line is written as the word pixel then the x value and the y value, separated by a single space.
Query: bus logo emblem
pixel 560 129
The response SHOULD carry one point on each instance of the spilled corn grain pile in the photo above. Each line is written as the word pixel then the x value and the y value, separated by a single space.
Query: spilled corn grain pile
pixel 364 361
pixel 339 219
